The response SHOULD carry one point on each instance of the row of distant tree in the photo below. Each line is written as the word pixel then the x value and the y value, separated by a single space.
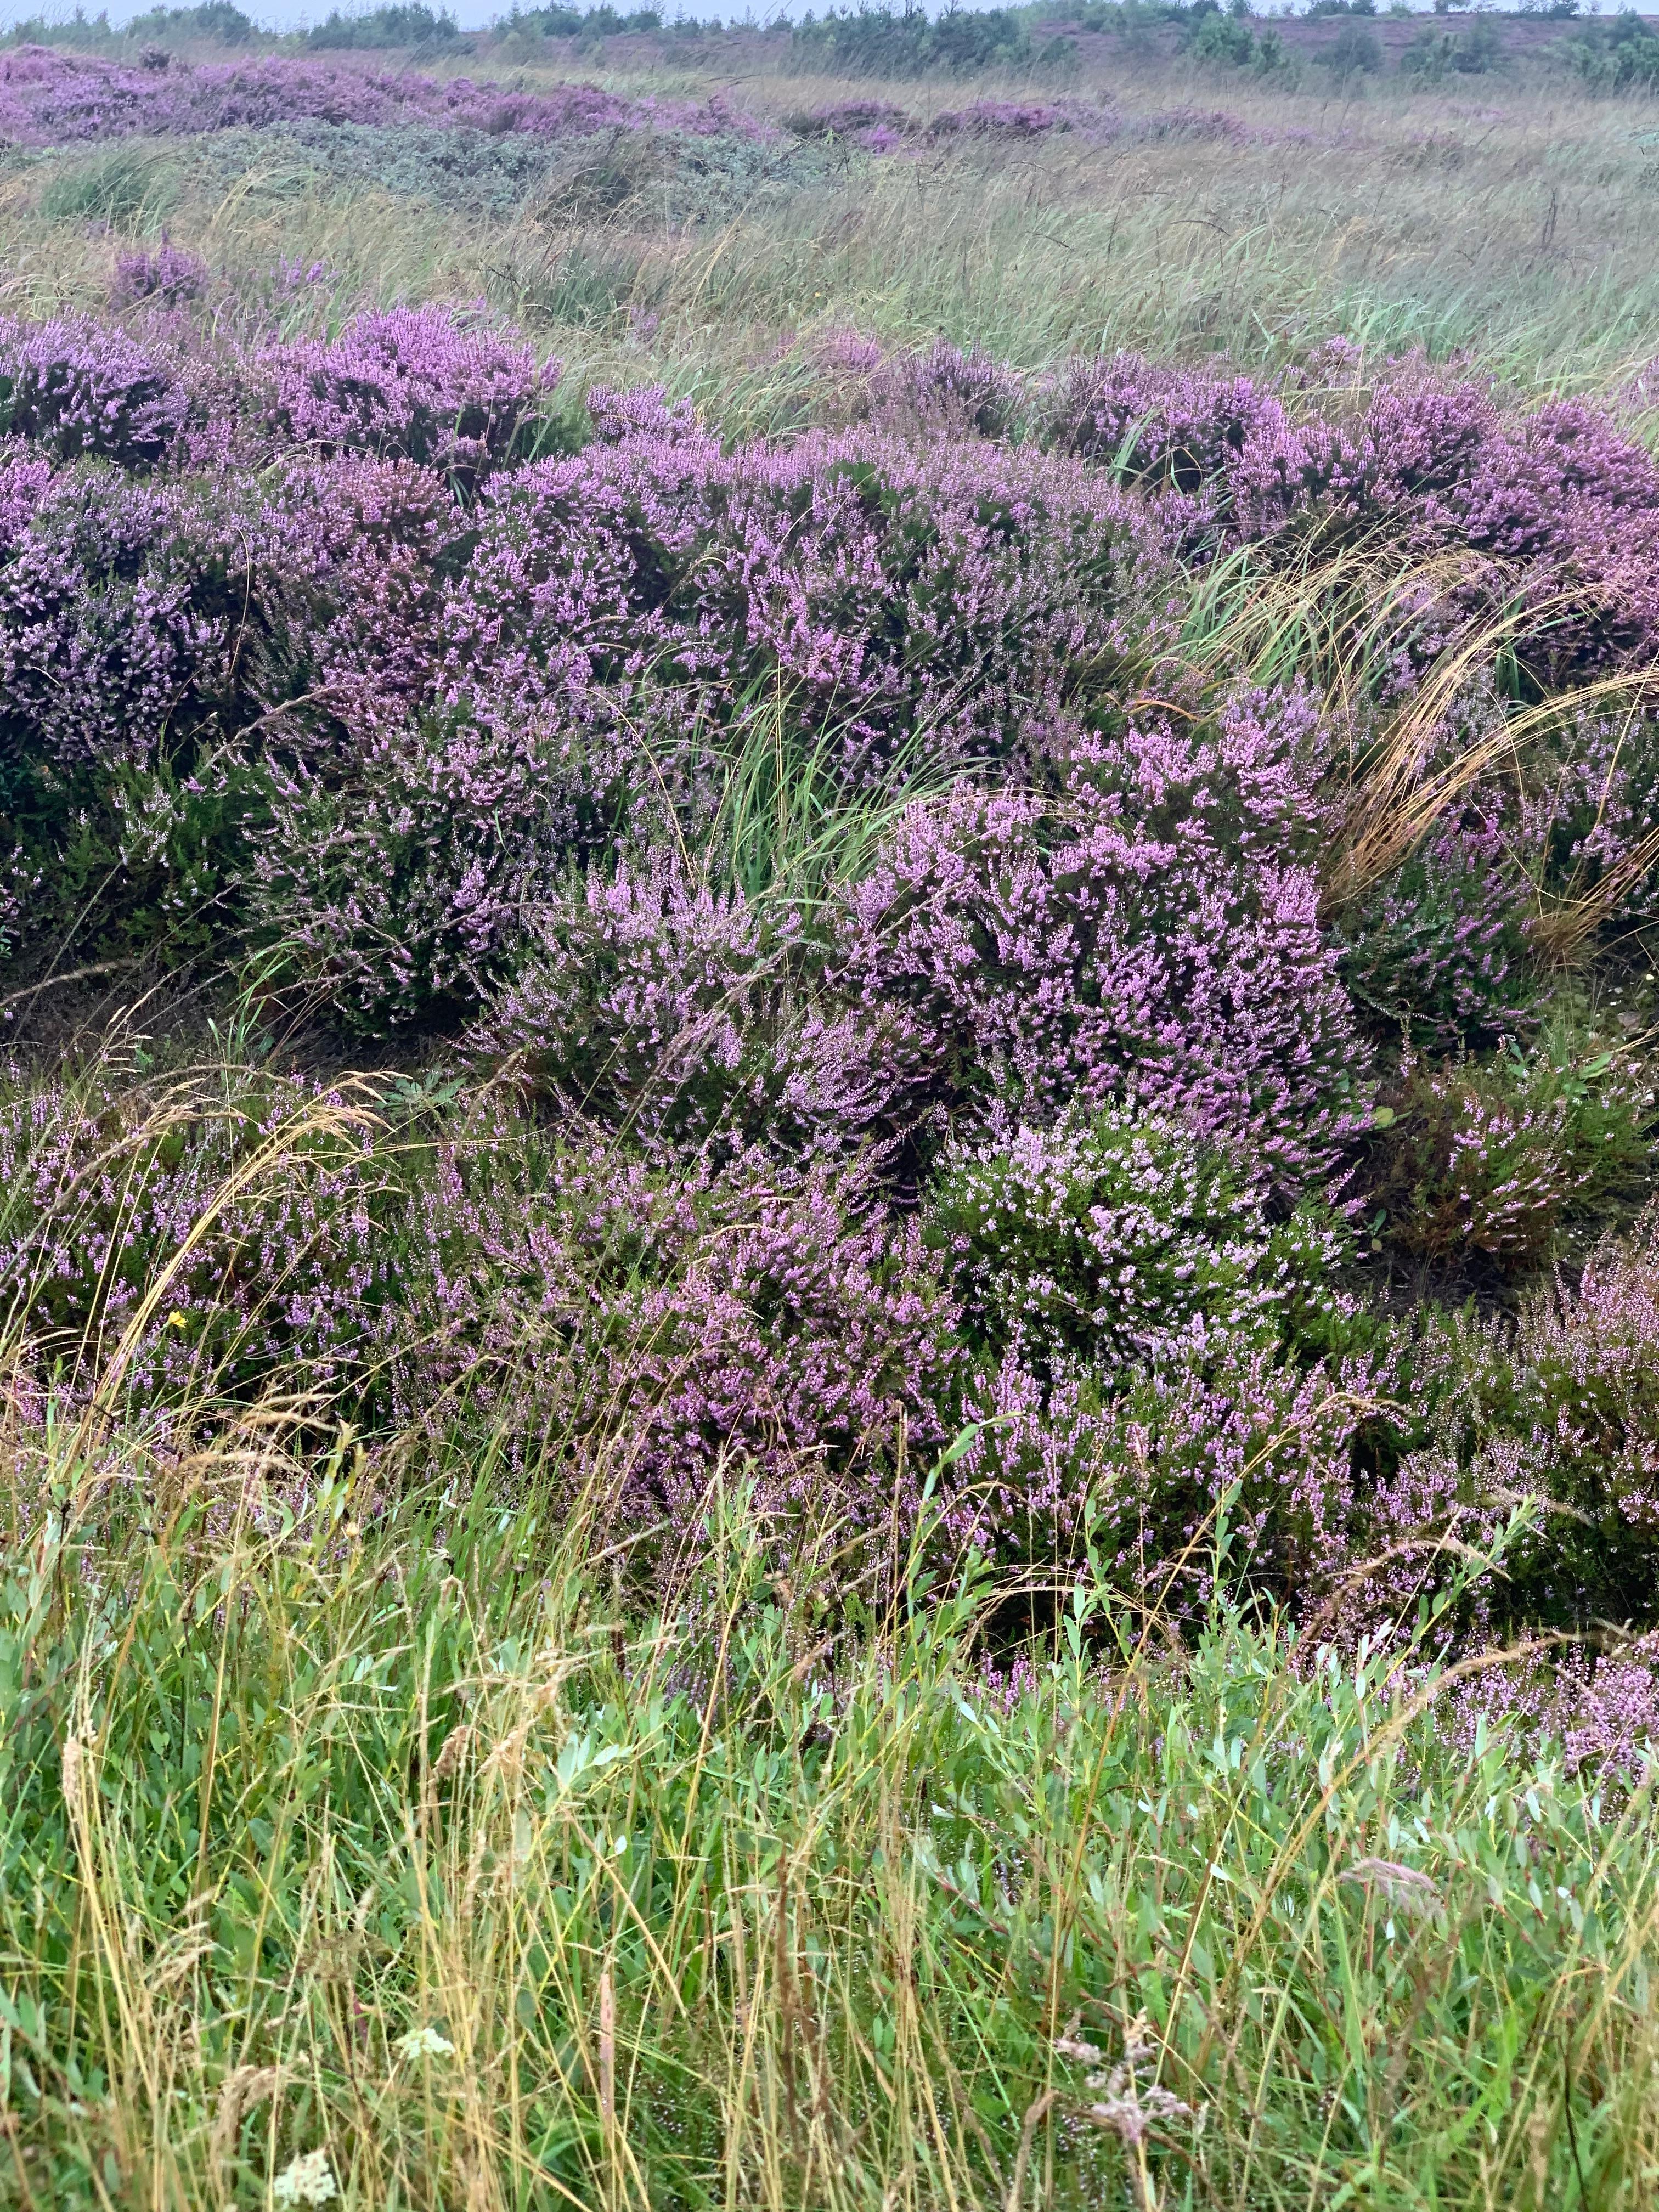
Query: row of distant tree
pixel 1615 54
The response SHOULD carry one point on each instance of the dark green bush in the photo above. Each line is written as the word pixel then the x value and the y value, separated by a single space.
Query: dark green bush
pixel 1223 38
pixel 1354 52
pixel 1495 1157
pixel 565 23
pixel 1622 55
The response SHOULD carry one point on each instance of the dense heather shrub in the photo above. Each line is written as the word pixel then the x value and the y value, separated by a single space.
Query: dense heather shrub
pixel 1115 1241
pixel 166 277
pixel 943 392
pixel 74 387
pixel 1005 118
pixel 897 595
pixel 1491 1156
pixel 1153 937
pixel 402 875
pixel 414 384
pixel 1560 1405
pixel 1148 1470
pixel 644 410
pixel 661 1328
pixel 1424 464
pixel 122 606
pixel 104 1187
pixel 1438 951
pixel 1175 428
pixel 648 1002
pixel 729 1317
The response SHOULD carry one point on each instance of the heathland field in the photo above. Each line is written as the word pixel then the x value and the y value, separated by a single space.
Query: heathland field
pixel 828 1218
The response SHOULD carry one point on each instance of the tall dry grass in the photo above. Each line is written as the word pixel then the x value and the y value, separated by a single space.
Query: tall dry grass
pixel 1513 233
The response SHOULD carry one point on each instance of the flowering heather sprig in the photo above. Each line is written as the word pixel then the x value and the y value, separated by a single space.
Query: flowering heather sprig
pixel 416 384
pixel 73 386
pixel 1153 937
pixel 167 278
pixel 1115 1240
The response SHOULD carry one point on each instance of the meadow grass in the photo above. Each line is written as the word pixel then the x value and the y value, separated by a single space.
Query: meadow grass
pixel 418 1839
pixel 1513 235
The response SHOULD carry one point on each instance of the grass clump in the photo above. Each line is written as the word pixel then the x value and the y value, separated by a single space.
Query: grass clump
pixel 414 1848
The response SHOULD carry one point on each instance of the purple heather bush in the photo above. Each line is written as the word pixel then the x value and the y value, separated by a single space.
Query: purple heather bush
pixel 732 1317
pixel 417 384
pixel 1056 1111
pixel 1426 464
pixel 1438 951
pixel 1560 1405
pixel 943 392
pixel 76 387
pixel 167 276
pixel 103 1187
pixel 1148 1471
pixel 648 1002
pixel 1011 118
pixel 50 97
pixel 1180 429
pixel 1150 936
pixel 644 410
pixel 670 1326
pixel 122 604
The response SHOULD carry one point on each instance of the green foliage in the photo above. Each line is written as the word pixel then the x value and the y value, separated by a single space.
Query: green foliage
pixel 875 41
pixel 1496 1156
pixel 1354 52
pixel 421 1848
pixel 1111 1237
pixel 1434 54
pixel 129 187
pixel 1621 56
pixel 406 23
pixel 565 23
pixel 219 22
pixel 1227 39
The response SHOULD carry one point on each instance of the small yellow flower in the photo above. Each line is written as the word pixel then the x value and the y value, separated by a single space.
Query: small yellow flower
pixel 175 1319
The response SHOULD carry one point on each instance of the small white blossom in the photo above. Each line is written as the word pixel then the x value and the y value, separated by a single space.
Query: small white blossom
pixel 308 2180
pixel 423 2043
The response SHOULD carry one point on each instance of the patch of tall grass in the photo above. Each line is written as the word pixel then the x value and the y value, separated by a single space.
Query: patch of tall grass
pixel 430 1842
pixel 1515 239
